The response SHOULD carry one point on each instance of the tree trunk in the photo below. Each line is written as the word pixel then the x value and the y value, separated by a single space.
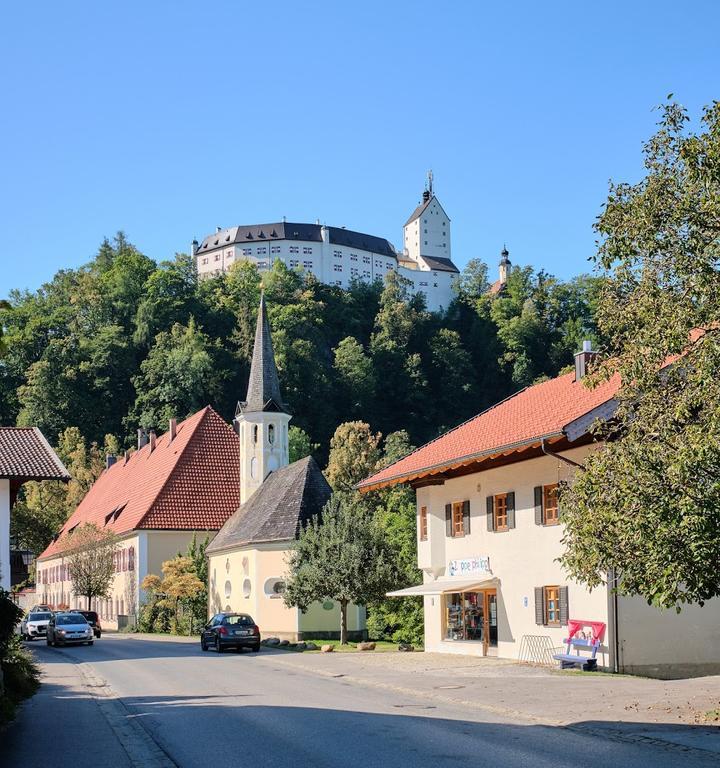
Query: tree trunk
pixel 89 599
pixel 343 622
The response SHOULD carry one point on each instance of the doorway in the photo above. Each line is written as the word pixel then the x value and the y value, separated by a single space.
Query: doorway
pixel 473 616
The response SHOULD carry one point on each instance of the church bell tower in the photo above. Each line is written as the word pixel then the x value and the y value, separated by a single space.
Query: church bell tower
pixel 261 421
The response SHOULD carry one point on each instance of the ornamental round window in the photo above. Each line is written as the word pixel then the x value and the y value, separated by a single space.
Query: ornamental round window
pixel 228 589
pixel 247 588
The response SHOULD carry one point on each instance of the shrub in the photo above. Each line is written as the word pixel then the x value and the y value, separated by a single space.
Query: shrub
pixel 19 673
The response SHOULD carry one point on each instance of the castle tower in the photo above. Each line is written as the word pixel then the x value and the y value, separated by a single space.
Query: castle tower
pixel 261 421
pixel 504 265
pixel 427 231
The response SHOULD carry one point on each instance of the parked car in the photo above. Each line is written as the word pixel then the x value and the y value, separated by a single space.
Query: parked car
pixel 35 624
pixel 67 627
pixel 92 619
pixel 230 630
pixel 41 608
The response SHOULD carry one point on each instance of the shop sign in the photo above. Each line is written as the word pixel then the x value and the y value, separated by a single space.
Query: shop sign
pixel 470 566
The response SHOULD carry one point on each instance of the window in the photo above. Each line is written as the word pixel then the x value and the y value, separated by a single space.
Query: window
pixel 205 260
pixel 262 251
pixel 550 504
pixel 547 510
pixel 423 524
pixel 308 264
pixel 353 257
pixel 458 525
pixel 131 559
pixel 275 249
pixel 307 250
pixel 423 283
pixel 294 263
pixel 337 267
pixel 247 251
pixel 294 249
pixel 366 259
pixel 501 512
pixel 255 433
pixel 552 606
pixel 217 257
pixel 337 254
pixel 353 272
pixel 271 434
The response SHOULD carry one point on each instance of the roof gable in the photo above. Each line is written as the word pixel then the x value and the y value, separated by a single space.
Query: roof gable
pixel 536 412
pixel 189 483
pixel 25 454
pixel 287 500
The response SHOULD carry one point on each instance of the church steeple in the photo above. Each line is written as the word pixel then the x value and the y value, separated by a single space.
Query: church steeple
pixel 263 393
pixel 261 421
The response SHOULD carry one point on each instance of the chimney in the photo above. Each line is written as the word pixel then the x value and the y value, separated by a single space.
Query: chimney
pixel 194 247
pixel 172 429
pixel 218 229
pixel 109 460
pixel 142 438
pixel 583 360
pixel 153 440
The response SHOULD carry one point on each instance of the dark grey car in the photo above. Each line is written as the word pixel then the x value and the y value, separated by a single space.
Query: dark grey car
pixel 230 630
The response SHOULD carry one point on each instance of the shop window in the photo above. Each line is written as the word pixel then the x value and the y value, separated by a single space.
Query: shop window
pixel 457 518
pixel 547 510
pixel 501 512
pixel 551 606
pixel 471 616
pixel 423 524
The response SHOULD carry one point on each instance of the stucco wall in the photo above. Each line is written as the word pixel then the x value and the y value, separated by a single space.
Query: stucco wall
pixel 667 644
pixel 521 558
pixel 5 534
pixel 250 573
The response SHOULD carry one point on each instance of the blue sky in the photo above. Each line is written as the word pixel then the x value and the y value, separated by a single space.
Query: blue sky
pixel 165 119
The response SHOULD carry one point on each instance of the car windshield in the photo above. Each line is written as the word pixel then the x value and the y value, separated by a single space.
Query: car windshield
pixel 38 616
pixel 89 615
pixel 72 618
pixel 244 620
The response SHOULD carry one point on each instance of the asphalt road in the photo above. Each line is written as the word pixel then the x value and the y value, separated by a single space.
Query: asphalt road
pixel 129 702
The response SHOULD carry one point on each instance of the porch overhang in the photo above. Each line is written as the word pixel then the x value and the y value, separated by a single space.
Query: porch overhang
pixel 444 586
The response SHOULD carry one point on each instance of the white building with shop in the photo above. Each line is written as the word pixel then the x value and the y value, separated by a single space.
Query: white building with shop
pixel 489 536
pixel 339 256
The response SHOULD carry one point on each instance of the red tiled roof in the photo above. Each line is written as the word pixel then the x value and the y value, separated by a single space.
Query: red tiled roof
pixel 542 410
pixel 191 483
pixel 26 455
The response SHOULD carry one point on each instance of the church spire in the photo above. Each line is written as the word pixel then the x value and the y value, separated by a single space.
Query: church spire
pixel 263 392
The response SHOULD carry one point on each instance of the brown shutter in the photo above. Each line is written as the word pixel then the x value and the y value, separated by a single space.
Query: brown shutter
pixel 448 520
pixel 539 606
pixel 466 517
pixel 564 606
pixel 511 509
pixel 539 511
pixel 490 516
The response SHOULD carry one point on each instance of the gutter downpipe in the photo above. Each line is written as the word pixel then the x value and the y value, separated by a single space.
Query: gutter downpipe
pixel 548 452
pixel 612 578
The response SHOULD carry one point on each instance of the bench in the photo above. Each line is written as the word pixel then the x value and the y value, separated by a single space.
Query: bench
pixel 568 660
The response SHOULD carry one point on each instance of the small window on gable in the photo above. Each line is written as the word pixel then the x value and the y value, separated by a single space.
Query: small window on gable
pixel 423 524
pixel 271 434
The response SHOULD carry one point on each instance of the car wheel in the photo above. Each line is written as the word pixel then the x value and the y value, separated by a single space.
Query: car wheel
pixel 203 644
pixel 47 641
pixel 218 646
pixel 255 648
pixel 98 635
pixel 90 642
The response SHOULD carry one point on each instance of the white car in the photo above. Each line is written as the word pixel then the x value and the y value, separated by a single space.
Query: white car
pixel 35 624
pixel 66 628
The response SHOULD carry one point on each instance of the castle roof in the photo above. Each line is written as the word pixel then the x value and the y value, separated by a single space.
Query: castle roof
pixel 257 234
pixel 190 482
pixel 544 411
pixel 287 500
pixel 263 392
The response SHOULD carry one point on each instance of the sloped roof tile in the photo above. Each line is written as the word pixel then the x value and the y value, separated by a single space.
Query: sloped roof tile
pixel 26 455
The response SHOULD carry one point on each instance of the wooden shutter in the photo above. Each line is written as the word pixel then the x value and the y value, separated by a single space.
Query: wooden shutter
pixel 490 510
pixel 539 511
pixel 511 509
pixel 466 517
pixel 539 606
pixel 448 520
pixel 564 606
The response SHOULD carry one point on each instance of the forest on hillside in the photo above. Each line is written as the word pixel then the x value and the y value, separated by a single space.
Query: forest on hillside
pixel 124 342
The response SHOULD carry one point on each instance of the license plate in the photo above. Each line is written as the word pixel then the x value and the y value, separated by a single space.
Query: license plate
pixel 241 632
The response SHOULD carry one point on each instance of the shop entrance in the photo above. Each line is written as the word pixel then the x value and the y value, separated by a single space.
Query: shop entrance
pixel 472 616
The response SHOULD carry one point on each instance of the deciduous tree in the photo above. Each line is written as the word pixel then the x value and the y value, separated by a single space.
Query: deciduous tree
pixel 90 555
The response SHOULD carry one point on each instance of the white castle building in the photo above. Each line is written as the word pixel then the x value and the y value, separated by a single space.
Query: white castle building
pixel 337 256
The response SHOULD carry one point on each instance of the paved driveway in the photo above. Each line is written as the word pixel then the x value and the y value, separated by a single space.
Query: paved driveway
pixel 130 701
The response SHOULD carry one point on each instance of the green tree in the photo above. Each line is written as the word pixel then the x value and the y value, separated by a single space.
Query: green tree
pixel 356 376
pixel 179 587
pixel 299 444
pixel 647 505
pixel 176 379
pixel 343 558
pixel 354 454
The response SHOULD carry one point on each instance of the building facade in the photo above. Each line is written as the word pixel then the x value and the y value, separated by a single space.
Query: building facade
pixel 181 484
pixel 247 561
pixel 490 534
pixel 339 256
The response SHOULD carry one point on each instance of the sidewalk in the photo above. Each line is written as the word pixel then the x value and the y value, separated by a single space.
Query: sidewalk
pixel 618 706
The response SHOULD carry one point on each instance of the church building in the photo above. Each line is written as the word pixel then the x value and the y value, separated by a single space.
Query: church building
pixel 247 566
